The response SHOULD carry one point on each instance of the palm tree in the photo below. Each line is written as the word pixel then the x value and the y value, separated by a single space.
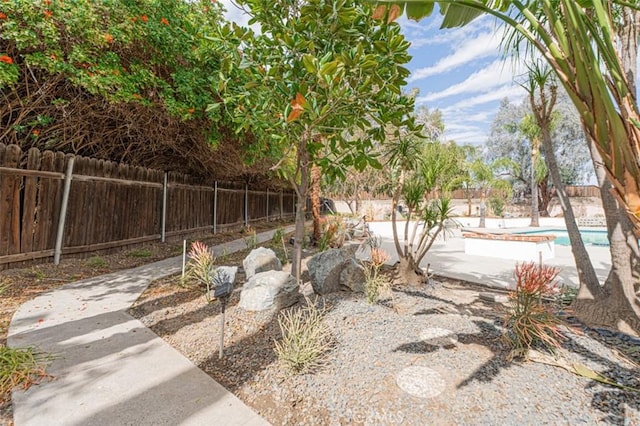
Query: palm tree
pixel 531 130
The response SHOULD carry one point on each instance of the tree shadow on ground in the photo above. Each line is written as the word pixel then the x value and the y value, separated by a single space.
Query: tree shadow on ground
pixel 614 402
pixel 611 400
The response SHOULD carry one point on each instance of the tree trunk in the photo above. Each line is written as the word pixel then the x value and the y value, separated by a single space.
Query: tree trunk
pixel 545 194
pixel 483 207
pixel 535 214
pixel 302 188
pixel 408 273
pixel 586 274
pixel 468 191
pixel 315 201
pixel 616 306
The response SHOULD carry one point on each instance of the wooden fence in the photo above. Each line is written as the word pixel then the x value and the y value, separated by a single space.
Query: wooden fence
pixel 572 191
pixel 53 204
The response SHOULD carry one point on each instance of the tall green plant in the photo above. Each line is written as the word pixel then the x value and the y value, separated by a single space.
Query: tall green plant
pixel 318 71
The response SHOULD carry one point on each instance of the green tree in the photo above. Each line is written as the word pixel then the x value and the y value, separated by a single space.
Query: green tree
pixel 421 168
pixel 485 177
pixel 318 71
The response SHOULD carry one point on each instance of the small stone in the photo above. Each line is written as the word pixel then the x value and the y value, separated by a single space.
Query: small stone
pixel 422 382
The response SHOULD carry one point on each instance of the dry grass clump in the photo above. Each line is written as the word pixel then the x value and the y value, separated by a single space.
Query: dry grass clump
pixel 20 367
pixel 305 338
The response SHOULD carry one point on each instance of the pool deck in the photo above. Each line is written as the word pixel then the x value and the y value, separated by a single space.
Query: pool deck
pixel 447 258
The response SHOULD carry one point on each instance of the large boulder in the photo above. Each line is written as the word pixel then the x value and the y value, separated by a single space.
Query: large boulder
pixel 260 260
pixel 352 276
pixel 335 269
pixel 268 290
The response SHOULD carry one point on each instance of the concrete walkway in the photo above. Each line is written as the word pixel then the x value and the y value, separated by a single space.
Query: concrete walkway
pixel 108 368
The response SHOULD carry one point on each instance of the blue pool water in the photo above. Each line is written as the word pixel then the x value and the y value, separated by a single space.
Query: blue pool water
pixel 589 236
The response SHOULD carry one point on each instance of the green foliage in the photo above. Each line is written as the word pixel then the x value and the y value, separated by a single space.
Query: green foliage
pixel 375 283
pixel 153 52
pixel 96 262
pixel 529 322
pixel 140 253
pixel 305 338
pixel 280 245
pixel 497 205
pixel 333 233
pixel 20 367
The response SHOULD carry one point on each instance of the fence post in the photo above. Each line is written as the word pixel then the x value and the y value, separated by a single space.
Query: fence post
pixel 63 211
pixel 246 204
pixel 164 208
pixel 215 207
pixel 267 204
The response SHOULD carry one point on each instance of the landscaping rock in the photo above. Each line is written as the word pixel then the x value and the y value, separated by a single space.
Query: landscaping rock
pixel 325 269
pixel 336 269
pixel 268 290
pixel 260 260
pixel 352 276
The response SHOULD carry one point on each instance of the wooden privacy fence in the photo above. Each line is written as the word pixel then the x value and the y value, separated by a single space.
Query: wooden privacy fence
pixel 572 191
pixel 53 204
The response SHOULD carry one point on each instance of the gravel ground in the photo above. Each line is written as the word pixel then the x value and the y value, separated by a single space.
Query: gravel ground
pixel 379 362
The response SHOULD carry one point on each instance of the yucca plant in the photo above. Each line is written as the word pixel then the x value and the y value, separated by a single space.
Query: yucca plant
pixel 529 321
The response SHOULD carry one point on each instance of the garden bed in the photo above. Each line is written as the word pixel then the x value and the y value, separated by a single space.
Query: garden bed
pixel 471 381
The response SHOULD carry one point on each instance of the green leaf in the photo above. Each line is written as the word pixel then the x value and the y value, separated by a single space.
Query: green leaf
pixel 309 63
pixel 417 11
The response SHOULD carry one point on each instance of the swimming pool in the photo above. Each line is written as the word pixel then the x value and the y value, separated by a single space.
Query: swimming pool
pixel 594 237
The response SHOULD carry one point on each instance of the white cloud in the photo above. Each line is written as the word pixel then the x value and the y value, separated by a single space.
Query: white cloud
pixel 429 35
pixel 472 137
pixel 483 45
pixel 510 91
pixel 496 74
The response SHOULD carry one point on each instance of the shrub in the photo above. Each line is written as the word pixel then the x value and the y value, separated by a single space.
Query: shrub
pixel 334 233
pixel 529 322
pixel 250 238
pixel 20 367
pixel 374 282
pixel 305 338
pixel 200 267
pixel 497 205
pixel 280 246
pixel 140 253
pixel 96 262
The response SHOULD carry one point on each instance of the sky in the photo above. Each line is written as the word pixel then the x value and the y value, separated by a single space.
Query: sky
pixel 462 73
pixel 459 71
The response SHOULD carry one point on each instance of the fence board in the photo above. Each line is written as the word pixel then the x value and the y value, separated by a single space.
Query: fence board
pixel 29 202
pixel 10 211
